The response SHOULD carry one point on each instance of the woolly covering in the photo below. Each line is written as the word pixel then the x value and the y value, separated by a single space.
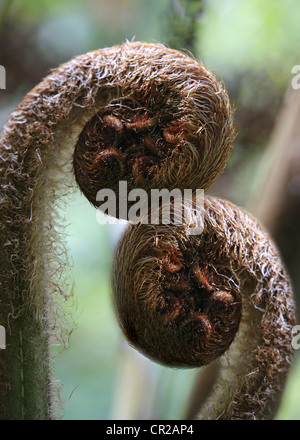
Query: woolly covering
pixel 189 128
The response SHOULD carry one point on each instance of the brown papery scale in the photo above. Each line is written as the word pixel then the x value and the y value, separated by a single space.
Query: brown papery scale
pixel 166 123
pixel 184 300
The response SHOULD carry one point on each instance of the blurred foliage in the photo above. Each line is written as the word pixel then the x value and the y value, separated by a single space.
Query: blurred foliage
pixel 250 44
pixel 182 24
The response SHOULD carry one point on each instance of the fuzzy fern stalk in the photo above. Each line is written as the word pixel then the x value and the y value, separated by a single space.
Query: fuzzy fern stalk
pixel 97 102
pixel 136 112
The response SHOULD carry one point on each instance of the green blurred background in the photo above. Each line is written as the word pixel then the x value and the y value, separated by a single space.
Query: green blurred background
pixel 250 44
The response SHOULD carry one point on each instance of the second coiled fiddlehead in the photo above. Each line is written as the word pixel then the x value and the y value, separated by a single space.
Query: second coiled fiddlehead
pixel 184 300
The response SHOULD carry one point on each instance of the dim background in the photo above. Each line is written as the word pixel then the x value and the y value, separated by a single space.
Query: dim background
pixel 252 46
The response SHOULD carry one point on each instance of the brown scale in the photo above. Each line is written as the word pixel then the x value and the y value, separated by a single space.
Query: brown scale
pixel 189 300
pixel 120 144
